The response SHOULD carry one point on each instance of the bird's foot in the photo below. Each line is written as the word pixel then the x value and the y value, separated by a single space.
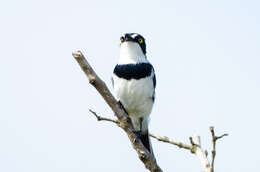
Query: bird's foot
pixel 138 135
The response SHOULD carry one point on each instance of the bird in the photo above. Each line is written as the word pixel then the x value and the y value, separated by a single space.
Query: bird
pixel 134 83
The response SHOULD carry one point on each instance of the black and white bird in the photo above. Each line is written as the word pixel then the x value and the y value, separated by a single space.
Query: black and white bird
pixel 134 84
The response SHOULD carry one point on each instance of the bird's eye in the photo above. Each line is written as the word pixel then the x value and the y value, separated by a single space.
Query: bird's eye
pixel 140 40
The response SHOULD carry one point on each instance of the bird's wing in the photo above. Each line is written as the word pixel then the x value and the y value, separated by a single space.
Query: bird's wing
pixel 112 80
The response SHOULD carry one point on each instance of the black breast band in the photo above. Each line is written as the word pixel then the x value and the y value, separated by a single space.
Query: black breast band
pixel 133 71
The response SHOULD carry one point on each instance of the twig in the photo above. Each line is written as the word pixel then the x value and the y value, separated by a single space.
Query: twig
pixel 195 148
pixel 201 153
pixel 167 140
pixel 214 140
pixel 100 118
pixel 124 121
pixel 219 137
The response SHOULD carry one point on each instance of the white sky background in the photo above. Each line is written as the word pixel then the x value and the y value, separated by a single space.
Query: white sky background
pixel 206 57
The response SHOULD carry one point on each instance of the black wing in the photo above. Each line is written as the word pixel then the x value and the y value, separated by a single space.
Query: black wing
pixel 112 80
pixel 154 81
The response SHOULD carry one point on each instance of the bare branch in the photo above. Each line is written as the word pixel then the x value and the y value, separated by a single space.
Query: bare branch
pixel 214 140
pixel 219 137
pixel 201 153
pixel 167 140
pixel 124 121
pixel 213 152
pixel 100 118
pixel 195 148
pixel 191 141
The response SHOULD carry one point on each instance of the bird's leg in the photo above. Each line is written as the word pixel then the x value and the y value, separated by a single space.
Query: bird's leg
pixel 139 133
pixel 141 123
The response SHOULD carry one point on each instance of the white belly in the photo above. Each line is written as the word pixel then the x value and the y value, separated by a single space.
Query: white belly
pixel 136 97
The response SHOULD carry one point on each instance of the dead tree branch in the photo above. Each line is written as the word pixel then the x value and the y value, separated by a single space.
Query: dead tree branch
pixel 194 147
pixel 214 140
pixel 123 120
pixel 167 140
pixel 100 118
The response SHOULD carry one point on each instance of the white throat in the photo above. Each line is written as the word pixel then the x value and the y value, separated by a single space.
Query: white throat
pixel 131 53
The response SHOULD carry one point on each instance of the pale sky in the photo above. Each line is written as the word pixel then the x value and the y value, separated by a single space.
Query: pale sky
pixel 206 56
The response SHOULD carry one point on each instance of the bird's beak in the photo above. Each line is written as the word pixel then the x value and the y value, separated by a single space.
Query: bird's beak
pixel 126 38
pixel 122 39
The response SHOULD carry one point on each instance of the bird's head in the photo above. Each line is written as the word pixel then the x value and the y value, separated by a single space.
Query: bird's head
pixel 133 42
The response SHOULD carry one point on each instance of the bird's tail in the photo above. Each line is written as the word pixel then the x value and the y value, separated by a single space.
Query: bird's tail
pixel 146 141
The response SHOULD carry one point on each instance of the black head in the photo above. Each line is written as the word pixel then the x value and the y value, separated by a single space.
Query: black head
pixel 134 37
